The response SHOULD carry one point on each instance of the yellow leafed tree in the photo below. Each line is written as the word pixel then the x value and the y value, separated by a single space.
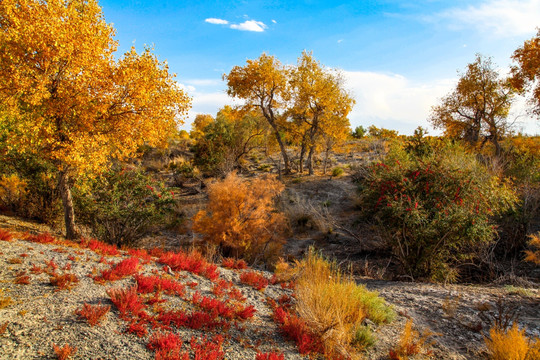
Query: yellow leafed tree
pixel 72 102
pixel 320 105
pixel 526 74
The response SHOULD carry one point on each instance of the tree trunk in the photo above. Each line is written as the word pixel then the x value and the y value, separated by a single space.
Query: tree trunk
pixel 310 159
pixel 287 169
pixel 325 160
pixel 301 160
pixel 67 201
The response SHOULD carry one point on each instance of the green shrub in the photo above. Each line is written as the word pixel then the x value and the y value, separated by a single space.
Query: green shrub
pixel 437 211
pixel 337 172
pixel 39 200
pixel 122 206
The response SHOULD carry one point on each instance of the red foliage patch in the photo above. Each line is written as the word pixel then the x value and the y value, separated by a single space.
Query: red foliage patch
pixel 235 264
pixel 270 356
pixel 148 284
pixel 126 300
pixel 64 353
pixel 193 262
pixel 141 254
pixel 166 346
pixel 65 281
pixel 208 349
pixel 254 279
pixel 100 247
pixel 137 328
pixel 294 328
pixel 44 238
pixel 124 268
pixel 22 279
pixel 93 313
pixel 5 235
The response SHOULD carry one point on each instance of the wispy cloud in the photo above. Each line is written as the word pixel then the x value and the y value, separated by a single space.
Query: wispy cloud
pixel 216 21
pixel 250 25
pixel 501 17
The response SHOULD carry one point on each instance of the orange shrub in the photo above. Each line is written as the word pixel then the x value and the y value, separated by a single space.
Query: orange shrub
pixel 511 345
pixel 534 242
pixel 64 353
pixel 241 217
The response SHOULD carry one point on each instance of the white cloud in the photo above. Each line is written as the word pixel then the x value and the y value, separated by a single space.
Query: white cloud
pixel 216 21
pixel 502 17
pixel 250 25
pixel 274 21
pixel 393 101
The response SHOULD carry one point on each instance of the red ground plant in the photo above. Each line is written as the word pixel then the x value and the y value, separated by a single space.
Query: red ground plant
pixel 65 352
pixel 126 267
pixel 93 313
pixel 254 279
pixel 235 264
pixel 269 356
pixel 5 235
pixel 126 300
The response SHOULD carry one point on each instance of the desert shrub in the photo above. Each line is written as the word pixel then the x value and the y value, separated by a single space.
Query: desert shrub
pixel 334 306
pixel 337 171
pixel 511 344
pixel 241 218
pixel 520 161
pixel 228 139
pixel 411 343
pixel 122 206
pixel 437 212
pixel 29 187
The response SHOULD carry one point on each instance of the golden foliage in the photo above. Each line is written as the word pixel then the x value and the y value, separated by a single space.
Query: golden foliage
pixel 527 72
pixel 478 106
pixel 69 99
pixel 241 216
pixel 12 189
pixel 200 122
pixel 512 344
pixel 534 242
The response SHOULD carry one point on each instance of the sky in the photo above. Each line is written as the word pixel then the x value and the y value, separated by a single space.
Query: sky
pixel 399 58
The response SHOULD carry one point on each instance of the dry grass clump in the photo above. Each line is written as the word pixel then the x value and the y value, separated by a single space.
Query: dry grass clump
pixel 411 343
pixel 334 306
pixel 511 344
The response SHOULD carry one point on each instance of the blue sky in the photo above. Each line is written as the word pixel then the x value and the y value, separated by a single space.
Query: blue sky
pixel 398 57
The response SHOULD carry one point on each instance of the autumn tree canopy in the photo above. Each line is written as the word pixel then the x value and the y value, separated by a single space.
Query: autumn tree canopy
pixel 319 106
pixel 263 83
pixel 478 107
pixel 526 75
pixel 70 100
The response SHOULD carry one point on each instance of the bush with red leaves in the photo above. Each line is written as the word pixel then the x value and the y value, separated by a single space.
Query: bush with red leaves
pixel 270 356
pixel 64 353
pixel 93 313
pixel 5 235
pixel 235 264
pixel 126 301
pixel 100 247
pixel 166 346
pixel 254 279
pixel 63 282
pixel 294 328
pixel 148 284
pixel 124 268
pixel 193 262
pixel 208 349
pixel 138 328
pixel 44 238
